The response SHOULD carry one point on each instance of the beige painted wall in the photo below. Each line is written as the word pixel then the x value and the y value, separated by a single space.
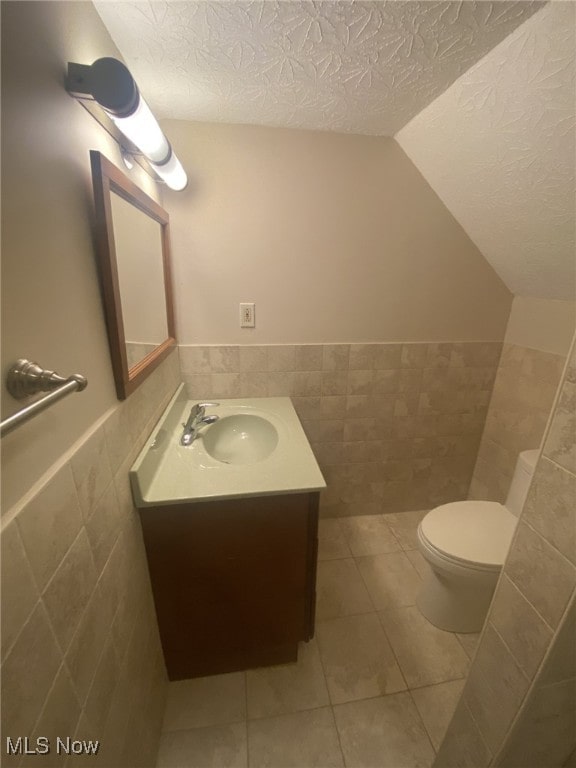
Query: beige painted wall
pixel 51 306
pixel 544 324
pixel 337 238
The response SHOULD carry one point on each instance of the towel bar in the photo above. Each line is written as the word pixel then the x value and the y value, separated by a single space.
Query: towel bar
pixel 26 378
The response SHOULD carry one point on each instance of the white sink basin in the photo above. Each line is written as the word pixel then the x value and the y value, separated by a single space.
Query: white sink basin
pixel 241 439
pixel 256 448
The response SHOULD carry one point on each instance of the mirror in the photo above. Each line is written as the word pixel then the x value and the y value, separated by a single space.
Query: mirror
pixel 133 248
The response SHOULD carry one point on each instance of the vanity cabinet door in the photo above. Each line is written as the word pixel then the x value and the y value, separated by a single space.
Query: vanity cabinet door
pixel 233 581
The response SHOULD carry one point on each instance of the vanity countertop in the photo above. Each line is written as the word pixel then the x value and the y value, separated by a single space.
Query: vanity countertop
pixel 167 472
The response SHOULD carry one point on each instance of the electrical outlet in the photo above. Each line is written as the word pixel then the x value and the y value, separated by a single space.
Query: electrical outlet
pixel 247 315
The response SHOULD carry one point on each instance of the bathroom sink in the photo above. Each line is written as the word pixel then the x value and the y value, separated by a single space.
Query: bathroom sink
pixel 256 448
pixel 241 439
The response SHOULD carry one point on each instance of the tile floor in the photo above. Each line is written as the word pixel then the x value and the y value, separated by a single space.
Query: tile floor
pixel 375 688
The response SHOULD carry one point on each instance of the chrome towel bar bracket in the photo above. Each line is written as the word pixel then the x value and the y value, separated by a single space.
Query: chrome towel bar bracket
pixel 26 378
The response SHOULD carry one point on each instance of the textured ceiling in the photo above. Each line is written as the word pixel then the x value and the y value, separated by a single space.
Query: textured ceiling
pixel 363 67
pixel 498 147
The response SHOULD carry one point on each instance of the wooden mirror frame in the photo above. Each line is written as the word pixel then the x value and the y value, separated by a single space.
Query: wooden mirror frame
pixel 107 178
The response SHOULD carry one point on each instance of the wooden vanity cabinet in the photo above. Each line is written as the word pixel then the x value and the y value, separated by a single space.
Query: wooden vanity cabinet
pixel 233 580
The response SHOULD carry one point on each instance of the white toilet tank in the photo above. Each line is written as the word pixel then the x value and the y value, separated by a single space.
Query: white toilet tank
pixel 525 466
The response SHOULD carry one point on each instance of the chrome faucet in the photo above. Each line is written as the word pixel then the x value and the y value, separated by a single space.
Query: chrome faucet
pixel 196 421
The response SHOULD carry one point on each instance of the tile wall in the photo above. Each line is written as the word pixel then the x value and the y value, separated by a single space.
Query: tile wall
pixel 81 654
pixel 394 427
pixel 519 702
pixel 524 389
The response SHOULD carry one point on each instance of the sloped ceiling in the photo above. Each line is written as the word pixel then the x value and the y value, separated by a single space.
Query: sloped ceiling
pixel 362 67
pixel 480 95
pixel 498 147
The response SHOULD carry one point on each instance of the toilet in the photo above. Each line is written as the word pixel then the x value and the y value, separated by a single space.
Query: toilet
pixel 465 544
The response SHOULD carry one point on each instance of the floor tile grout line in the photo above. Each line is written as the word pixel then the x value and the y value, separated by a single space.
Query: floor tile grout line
pixel 331 703
pixel 338 736
pixel 393 651
pixel 426 731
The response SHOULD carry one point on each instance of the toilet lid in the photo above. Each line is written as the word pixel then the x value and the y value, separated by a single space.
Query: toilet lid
pixel 477 532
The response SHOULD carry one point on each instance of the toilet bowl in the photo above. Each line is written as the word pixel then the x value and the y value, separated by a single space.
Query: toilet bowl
pixel 465 544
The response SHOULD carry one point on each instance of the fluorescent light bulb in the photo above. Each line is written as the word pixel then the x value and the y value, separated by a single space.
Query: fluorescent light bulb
pixel 143 130
pixel 172 173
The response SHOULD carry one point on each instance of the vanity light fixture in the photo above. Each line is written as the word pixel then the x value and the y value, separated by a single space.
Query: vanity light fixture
pixel 109 82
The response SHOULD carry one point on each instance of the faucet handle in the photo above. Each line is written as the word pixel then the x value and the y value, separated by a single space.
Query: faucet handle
pixel 207 405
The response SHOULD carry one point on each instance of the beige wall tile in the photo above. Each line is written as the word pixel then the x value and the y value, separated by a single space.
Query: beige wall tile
pixel 120 437
pixel 545 733
pixel 308 357
pixel 91 471
pixel 359 406
pixel 49 524
pixel 439 355
pixel 253 359
pixel 361 452
pixel 388 356
pixel 551 506
pixel 308 408
pixel 386 381
pixel 560 663
pixel 334 383
pixel 360 429
pixel 524 632
pixel 463 746
pixel 495 688
pixel 194 360
pixel 360 382
pixel 541 573
pixel 102 689
pixel 198 385
pixel 224 359
pixel 225 384
pixel 59 718
pixel 362 356
pixel 469 642
pixel 28 673
pixel 281 357
pixel 436 705
pixel 523 393
pixel 328 454
pixel 560 445
pixel 18 588
pixel 279 384
pixel 88 642
pixel 333 407
pixel 103 527
pixel 335 357
pixel 252 384
pixel 413 355
pixel 307 383
pixel 326 431
pixel 69 589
